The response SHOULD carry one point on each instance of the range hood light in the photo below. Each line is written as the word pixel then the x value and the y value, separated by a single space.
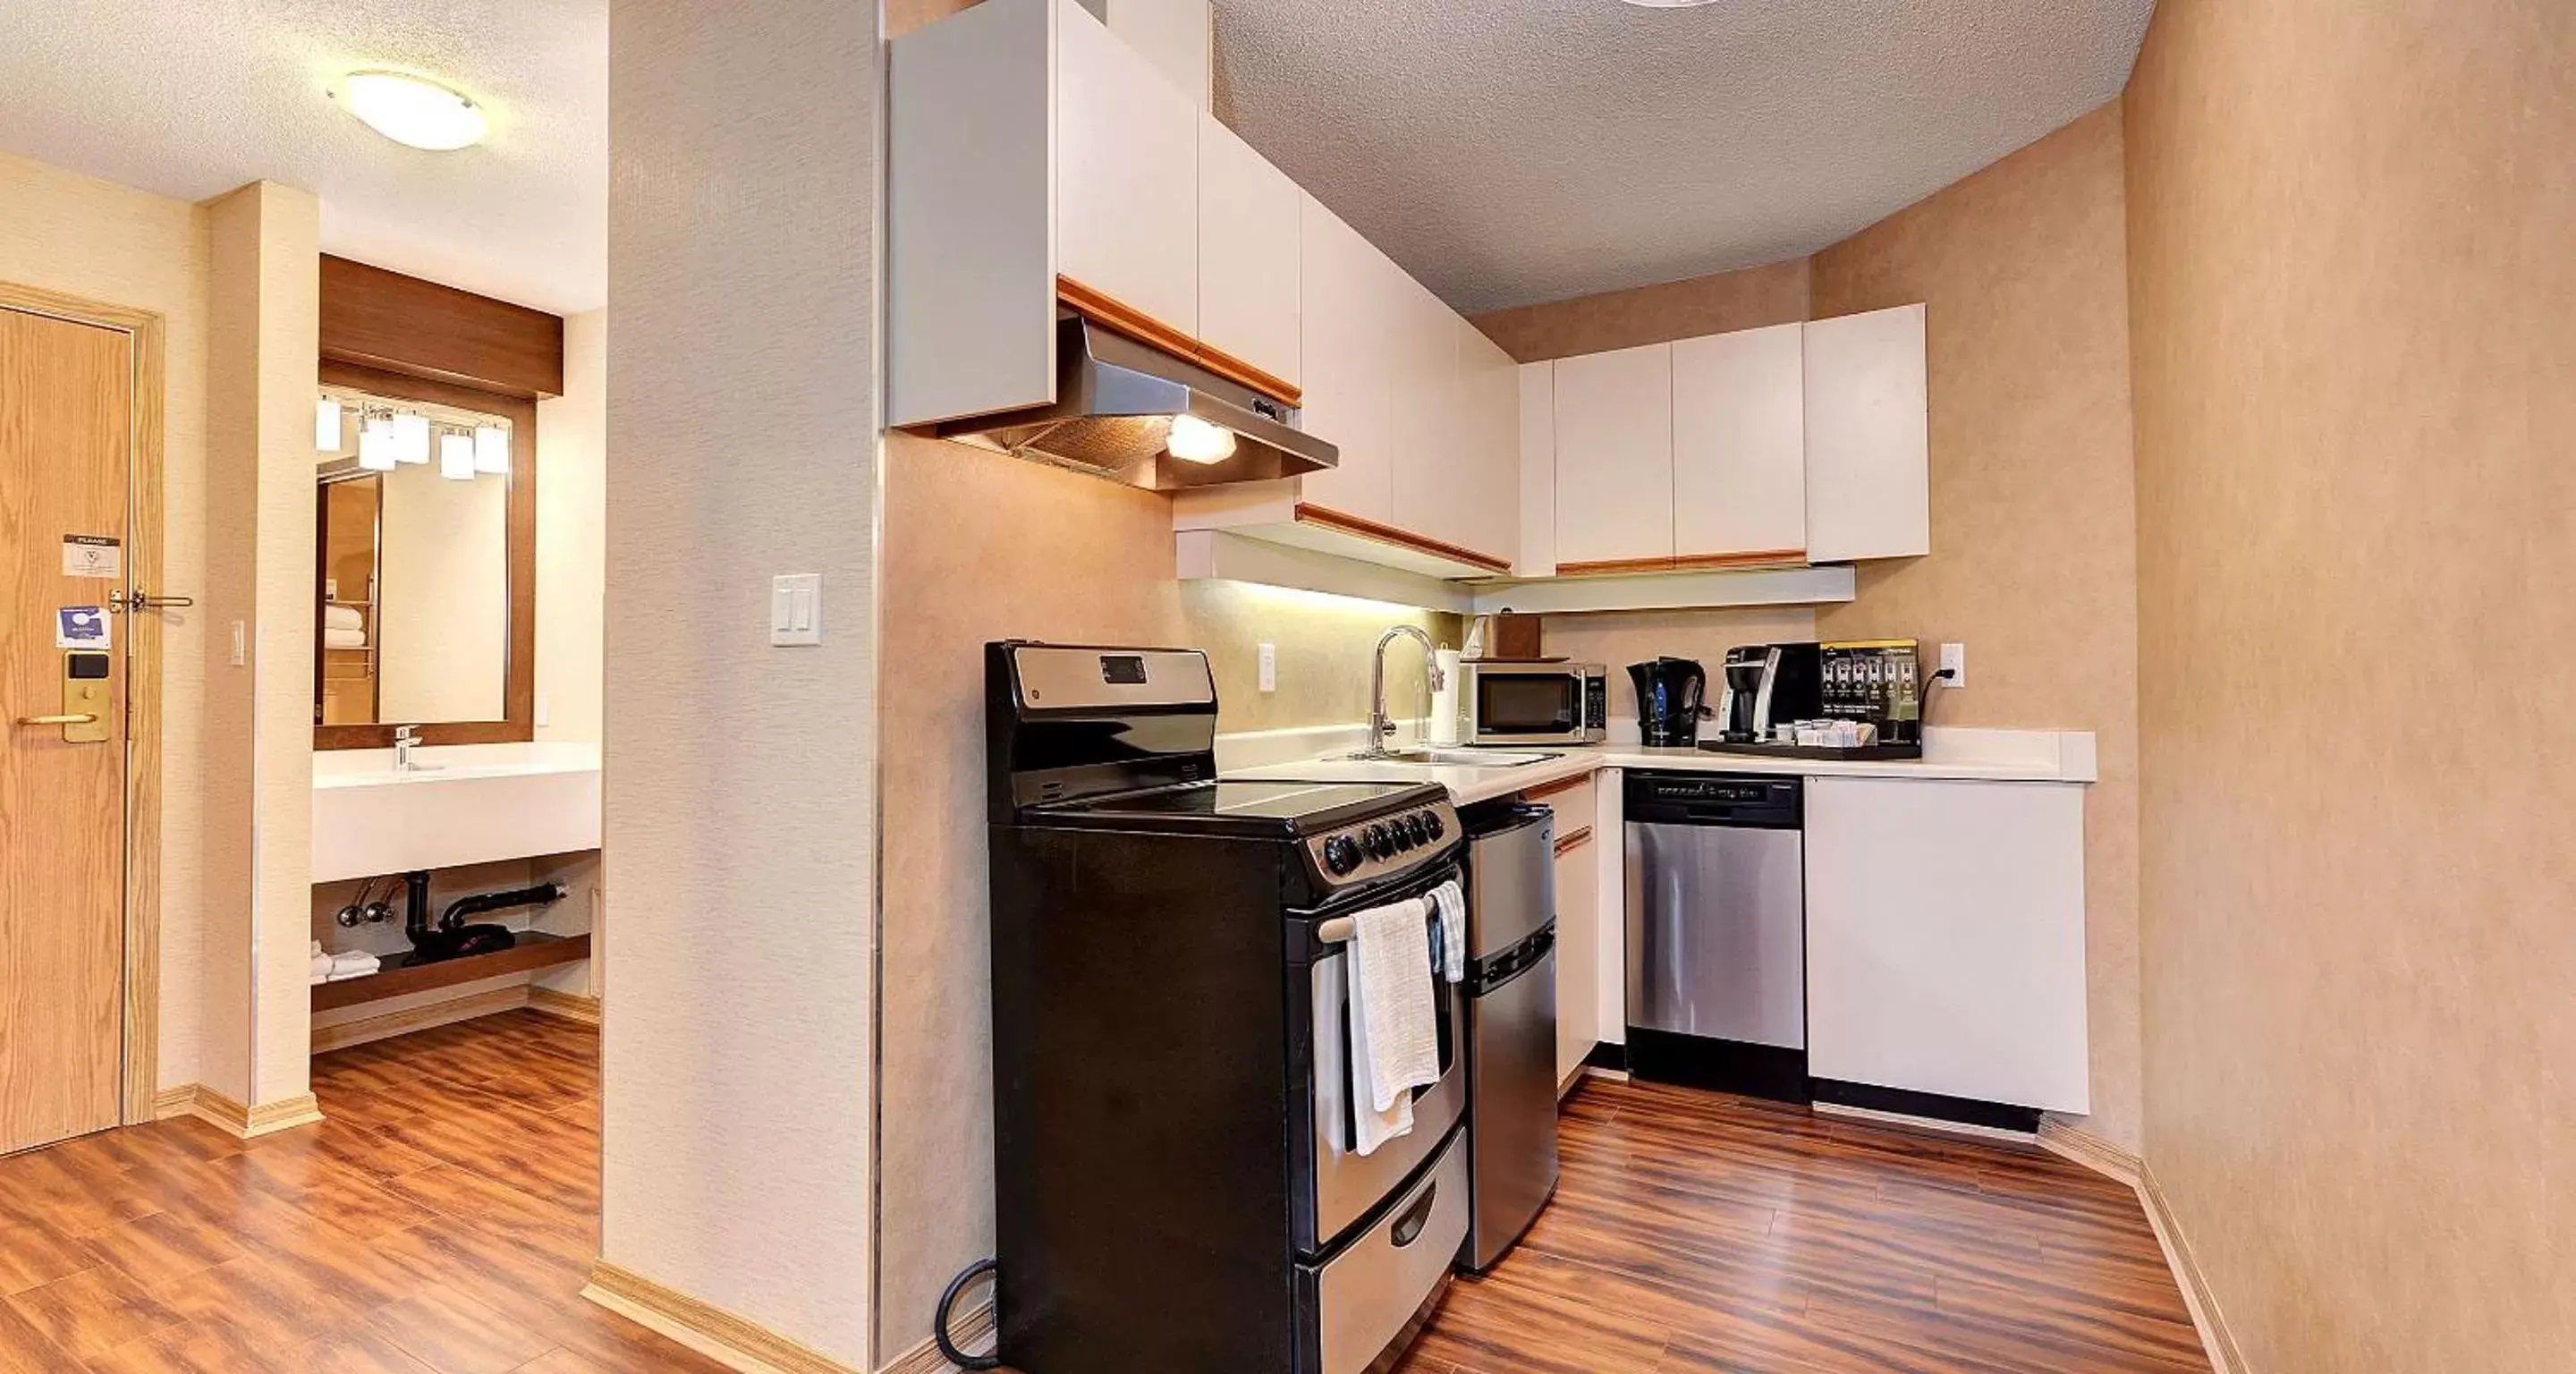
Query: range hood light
pixel 1194 440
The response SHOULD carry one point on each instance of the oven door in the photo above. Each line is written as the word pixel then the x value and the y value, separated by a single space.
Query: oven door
pixel 1524 705
pixel 1339 1185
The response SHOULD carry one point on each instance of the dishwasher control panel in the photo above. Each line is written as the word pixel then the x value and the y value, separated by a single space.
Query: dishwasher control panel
pixel 1747 799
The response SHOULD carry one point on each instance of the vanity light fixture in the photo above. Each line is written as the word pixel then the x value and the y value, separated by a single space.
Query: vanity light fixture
pixel 492 450
pixel 411 437
pixel 376 441
pixel 456 456
pixel 1194 440
pixel 326 425
pixel 413 111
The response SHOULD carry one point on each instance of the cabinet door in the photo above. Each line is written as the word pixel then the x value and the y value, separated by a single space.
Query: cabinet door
pixel 1945 938
pixel 1578 952
pixel 1739 445
pixel 1869 492
pixel 1490 463
pixel 1127 206
pixel 1428 422
pixel 1536 556
pixel 1614 456
pixel 1248 255
pixel 1345 359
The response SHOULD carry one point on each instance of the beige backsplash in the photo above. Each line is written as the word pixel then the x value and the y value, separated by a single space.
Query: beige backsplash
pixel 1323 645
pixel 1616 640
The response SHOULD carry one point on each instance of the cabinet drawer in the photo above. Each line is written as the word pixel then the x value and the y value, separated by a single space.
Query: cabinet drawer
pixel 1571 799
pixel 1365 1296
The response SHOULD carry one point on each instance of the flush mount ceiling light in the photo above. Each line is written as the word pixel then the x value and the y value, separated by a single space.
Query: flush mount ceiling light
pixel 413 111
pixel 1194 440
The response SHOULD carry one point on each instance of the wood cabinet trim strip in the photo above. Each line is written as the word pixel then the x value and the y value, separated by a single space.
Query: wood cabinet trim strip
pixel 1573 841
pixel 1695 562
pixel 1561 785
pixel 1310 514
pixel 1109 312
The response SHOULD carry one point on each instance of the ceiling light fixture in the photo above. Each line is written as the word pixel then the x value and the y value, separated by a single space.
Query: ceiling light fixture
pixel 413 111
pixel 1194 440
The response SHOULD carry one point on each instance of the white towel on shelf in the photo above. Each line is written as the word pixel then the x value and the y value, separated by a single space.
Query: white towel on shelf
pixel 321 964
pixel 1395 1043
pixel 336 638
pixel 1452 926
pixel 342 618
pixel 355 964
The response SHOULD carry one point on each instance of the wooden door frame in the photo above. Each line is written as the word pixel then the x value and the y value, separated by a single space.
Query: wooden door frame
pixel 141 1077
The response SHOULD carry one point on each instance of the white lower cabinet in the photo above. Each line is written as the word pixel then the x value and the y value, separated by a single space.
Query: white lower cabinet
pixel 1578 924
pixel 1945 938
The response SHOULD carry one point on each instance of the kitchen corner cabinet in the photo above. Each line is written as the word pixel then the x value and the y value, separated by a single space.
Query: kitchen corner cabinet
pixel 1868 437
pixel 1031 153
pixel 1945 938
pixel 1739 447
pixel 1614 460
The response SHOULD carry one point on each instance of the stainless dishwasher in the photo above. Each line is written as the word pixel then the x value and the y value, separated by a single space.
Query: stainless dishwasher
pixel 1717 909
pixel 1511 1023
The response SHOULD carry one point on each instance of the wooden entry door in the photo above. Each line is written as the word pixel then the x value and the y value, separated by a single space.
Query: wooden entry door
pixel 66 411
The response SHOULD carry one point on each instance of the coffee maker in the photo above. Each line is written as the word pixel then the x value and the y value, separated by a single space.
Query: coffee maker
pixel 1768 685
pixel 1670 701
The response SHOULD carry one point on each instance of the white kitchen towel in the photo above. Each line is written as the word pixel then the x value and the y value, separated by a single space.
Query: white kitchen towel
pixel 337 638
pixel 1395 1043
pixel 342 618
pixel 355 964
pixel 1452 926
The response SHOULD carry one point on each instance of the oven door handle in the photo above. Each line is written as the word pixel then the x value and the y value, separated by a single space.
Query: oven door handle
pixel 1408 1227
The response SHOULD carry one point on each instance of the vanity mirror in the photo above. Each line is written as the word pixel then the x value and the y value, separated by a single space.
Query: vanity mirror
pixel 425 561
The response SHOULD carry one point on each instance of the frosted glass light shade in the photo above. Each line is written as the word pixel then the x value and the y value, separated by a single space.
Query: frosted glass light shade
pixel 326 426
pixel 492 450
pixel 376 443
pixel 411 438
pixel 456 456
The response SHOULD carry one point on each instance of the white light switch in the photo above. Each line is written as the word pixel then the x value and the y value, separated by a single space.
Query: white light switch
pixel 241 643
pixel 1270 667
pixel 1954 661
pixel 796 608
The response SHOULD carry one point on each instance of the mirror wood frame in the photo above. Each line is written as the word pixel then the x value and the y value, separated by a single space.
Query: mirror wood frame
pixel 519 689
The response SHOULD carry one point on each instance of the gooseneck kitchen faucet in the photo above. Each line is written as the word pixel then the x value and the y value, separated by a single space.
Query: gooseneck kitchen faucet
pixel 1379 726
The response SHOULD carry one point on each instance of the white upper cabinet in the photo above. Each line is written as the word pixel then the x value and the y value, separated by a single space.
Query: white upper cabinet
pixel 1868 437
pixel 1490 465
pixel 1248 255
pixel 1614 456
pixel 1739 446
pixel 1536 556
pixel 1127 152
pixel 1345 289
pixel 1430 446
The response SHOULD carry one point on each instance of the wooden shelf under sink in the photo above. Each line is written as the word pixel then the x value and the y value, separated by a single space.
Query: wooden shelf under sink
pixel 533 951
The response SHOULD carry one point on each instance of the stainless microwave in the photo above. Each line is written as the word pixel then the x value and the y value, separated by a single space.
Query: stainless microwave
pixel 1533 703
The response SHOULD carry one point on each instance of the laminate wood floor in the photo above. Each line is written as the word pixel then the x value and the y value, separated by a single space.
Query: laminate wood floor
pixel 1699 1233
pixel 442 1221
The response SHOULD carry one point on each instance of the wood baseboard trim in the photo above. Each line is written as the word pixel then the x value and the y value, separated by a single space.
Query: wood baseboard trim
pixel 231 1117
pixel 568 1005
pixel 393 1023
pixel 2225 1356
pixel 1927 1125
pixel 731 1340
pixel 973 1331
pixel 2074 1143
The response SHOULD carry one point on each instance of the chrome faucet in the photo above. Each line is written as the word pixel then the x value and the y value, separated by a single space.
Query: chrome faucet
pixel 405 736
pixel 1380 728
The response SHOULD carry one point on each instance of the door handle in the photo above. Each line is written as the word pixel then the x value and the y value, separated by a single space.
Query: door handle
pixel 76 718
pixel 1408 1228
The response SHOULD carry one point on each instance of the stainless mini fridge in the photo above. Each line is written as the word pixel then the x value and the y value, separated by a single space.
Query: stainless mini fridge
pixel 1511 1023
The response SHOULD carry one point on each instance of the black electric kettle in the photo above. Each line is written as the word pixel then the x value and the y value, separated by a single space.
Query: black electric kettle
pixel 1669 709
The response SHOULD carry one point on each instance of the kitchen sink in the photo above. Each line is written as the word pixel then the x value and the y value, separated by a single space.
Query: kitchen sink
pixel 1455 758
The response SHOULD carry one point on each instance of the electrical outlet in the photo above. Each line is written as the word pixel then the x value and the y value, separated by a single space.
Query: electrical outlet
pixel 1954 661
pixel 1270 667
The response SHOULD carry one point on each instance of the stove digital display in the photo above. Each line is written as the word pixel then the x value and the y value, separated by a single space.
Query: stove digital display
pixel 1123 670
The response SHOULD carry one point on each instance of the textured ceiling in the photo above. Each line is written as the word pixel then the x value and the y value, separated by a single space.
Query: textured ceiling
pixel 1513 151
pixel 191 98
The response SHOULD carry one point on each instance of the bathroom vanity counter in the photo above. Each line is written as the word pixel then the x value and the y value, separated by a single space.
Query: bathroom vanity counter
pixel 460 804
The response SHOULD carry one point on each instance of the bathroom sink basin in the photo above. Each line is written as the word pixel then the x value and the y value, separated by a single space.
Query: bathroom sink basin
pixel 1456 758
pixel 462 804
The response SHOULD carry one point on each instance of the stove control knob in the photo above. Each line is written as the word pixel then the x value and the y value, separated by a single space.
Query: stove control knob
pixel 1431 825
pixel 1418 827
pixel 1404 836
pixel 1341 855
pixel 1378 842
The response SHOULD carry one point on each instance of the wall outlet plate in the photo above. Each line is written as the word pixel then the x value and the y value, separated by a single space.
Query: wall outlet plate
pixel 1954 661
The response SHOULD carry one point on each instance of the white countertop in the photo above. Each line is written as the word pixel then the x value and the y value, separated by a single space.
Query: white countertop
pixel 2058 756
pixel 336 768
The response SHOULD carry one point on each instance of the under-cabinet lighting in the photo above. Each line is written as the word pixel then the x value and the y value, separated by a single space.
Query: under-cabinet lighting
pixel 411 437
pixel 376 442
pixel 492 450
pixel 326 425
pixel 1194 440
pixel 456 456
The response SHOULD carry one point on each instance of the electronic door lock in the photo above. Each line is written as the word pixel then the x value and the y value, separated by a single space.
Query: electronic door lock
pixel 87 703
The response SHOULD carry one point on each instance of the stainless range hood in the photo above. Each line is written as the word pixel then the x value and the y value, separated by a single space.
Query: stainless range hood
pixel 1114 413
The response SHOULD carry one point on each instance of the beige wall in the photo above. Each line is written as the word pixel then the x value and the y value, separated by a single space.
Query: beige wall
pixel 125 247
pixel 2354 304
pixel 2034 562
pixel 740 779
pixel 572 505
pixel 1717 304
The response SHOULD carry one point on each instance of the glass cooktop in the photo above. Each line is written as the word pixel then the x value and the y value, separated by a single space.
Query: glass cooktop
pixel 1285 808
